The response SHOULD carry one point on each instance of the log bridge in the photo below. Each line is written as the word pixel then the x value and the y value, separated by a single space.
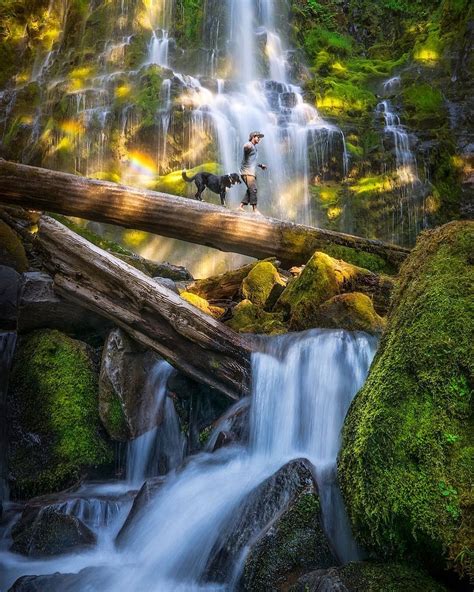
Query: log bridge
pixel 176 217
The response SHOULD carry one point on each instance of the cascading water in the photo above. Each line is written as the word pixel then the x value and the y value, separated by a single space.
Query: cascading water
pixel 302 387
pixel 161 449
pixel 408 219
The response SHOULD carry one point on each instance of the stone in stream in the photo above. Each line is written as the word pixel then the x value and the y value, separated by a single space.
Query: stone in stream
pixel 92 579
pixel 368 577
pixel 42 532
pixel 279 529
pixel 143 498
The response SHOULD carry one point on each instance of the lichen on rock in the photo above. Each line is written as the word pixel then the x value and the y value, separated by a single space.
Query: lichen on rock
pixel 202 304
pixel 406 462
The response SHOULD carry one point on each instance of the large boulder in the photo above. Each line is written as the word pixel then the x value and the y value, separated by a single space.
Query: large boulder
pixel 280 524
pixel 41 308
pixel 41 532
pixel 55 432
pixel 127 408
pixel 407 457
pixel 368 577
pixel 92 579
pixel 323 278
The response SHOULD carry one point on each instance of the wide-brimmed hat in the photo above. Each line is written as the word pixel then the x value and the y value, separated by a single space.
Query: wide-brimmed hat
pixel 255 135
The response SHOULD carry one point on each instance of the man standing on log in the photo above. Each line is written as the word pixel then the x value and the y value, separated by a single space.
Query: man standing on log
pixel 248 170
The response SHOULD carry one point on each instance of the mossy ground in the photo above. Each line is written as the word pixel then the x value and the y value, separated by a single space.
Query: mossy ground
pixel 56 428
pixel 260 282
pixel 249 318
pixel 406 464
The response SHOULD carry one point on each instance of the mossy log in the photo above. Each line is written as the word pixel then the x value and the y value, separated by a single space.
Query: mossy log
pixel 177 217
pixel 154 316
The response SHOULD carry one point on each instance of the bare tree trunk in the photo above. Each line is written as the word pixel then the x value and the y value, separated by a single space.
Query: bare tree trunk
pixel 176 217
pixel 154 316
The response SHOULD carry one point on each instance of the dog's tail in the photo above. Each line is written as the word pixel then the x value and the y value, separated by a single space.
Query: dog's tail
pixel 186 178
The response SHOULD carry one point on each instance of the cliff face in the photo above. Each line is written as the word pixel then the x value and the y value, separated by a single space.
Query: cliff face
pixel 104 89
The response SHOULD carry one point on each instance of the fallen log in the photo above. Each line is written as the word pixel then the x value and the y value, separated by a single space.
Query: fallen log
pixel 154 316
pixel 177 217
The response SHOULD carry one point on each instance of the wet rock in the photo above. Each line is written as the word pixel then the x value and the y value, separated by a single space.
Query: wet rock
pixel 9 296
pixel 40 308
pixel 280 523
pixel 143 498
pixel 126 406
pixel 232 427
pixel 43 532
pixel 368 577
pixel 177 273
pixel 92 579
pixel 288 100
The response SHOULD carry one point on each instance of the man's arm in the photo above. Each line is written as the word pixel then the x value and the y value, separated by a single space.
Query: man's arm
pixel 262 166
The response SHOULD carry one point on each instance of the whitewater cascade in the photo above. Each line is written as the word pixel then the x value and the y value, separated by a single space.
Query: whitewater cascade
pixel 302 387
pixel 162 448
pixel 409 217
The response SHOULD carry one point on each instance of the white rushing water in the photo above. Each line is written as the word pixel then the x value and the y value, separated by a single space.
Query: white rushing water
pixel 162 448
pixel 302 387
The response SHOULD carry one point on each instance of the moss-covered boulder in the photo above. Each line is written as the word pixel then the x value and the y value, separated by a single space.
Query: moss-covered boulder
pixel 407 457
pixel 261 283
pixel 323 278
pixel 12 251
pixel 353 312
pixel 368 577
pixel 280 526
pixel 249 318
pixel 203 304
pixel 46 531
pixel 55 431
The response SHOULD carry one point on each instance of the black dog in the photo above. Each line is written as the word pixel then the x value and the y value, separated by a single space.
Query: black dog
pixel 217 184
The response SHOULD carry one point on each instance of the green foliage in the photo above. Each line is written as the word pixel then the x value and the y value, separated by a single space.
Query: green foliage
pixel 406 485
pixel 423 99
pixel 188 23
pixel 54 384
pixel 149 95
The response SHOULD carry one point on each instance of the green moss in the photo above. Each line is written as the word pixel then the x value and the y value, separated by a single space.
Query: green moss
pixel 113 418
pixel 149 95
pixel 424 101
pixel 352 312
pixel 12 251
pixel 361 259
pixel 249 318
pixel 386 577
pixel 319 281
pixel 188 23
pixel 58 435
pixel 202 304
pixel 406 485
pixel 260 282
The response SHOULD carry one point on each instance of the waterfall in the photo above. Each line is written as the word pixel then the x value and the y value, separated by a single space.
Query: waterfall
pixel 7 348
pixel 302 387
pixel 162 448
pixel 408 218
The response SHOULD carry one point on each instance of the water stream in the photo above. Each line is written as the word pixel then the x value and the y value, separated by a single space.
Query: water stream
pixel 302 387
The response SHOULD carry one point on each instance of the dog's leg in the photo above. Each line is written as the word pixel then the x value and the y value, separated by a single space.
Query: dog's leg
pixel 222 196
pixel 200 189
